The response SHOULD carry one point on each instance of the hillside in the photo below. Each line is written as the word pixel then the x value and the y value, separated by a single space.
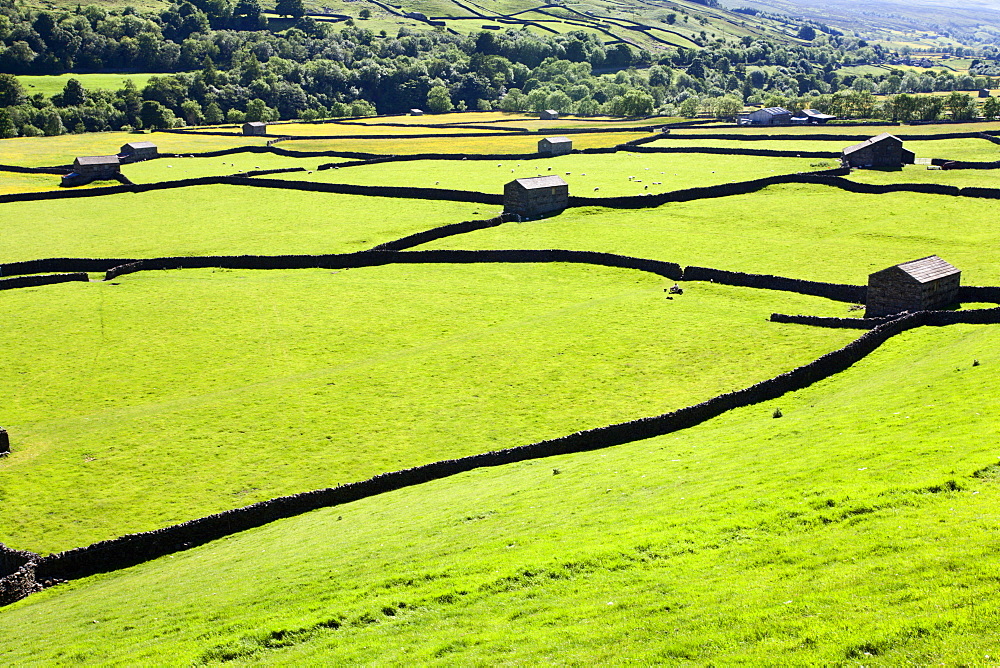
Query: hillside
pixel 326 395
pixel 855 528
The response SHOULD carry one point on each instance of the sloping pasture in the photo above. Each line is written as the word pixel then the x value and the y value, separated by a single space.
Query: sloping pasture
pixel 622 173
pixel 219 220
pixel 500 143
pixel 200 390
pixel 62 150
pixel 745 539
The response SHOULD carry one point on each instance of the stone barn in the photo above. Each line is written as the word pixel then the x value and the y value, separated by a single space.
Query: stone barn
pixel 137 150
pixel 416 112
pixel 769 116
pixel 884 150
pixel 549 115
pixel 254 128
pixel 535 196
pixel 983 92
pixel 92 168
pixel 920 285
pixel 555 145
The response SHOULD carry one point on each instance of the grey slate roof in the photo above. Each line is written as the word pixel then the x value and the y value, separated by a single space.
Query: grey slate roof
pixel 536 182
pixel 775 111
pixel 134 145
pixel 812 113
pixel 928 269
pixel 558 140
pixel 256 124
pixel 868 142
pixel 98 160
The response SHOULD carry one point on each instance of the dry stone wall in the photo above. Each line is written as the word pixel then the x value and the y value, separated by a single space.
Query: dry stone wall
pixel 37 280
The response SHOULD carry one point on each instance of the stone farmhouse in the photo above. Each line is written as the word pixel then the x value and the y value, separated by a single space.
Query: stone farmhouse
pixel 254 128
pixel 919 285
pixel 535 196
pixel 882 151
pixel 555 145
pixel 92 168
pixel 549 115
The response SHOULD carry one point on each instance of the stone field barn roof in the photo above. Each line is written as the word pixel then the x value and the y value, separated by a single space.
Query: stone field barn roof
pixel 140 144
pixel 928 269
pixel 558 140
pixel 98 160
pixel 868 142
pixel 536 182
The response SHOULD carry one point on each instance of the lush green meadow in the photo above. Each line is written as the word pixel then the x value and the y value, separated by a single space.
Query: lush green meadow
pixel 499 143
pixel 216 220
pixel 855 529
pixel 803 231
pixel 622 173
pixel 850 531
pixel 962 178
pixel 171 169
pixel 257 384
pixel 50 84
pixel 62 150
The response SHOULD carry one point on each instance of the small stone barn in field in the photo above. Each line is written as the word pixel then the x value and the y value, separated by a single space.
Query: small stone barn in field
pixel 884 150
pixel 920 285
pixel 416 112
pixel 535 196
pixel 254 128
pixel 555 145
pixel 549 115
pixel 983 92
pixel 137 150
pixel 92 168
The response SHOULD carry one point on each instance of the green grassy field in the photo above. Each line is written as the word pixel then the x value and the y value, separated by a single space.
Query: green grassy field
pixel 50 84
pixel 500 143
pixel 62 150
pixel 216 220
pixel 170 169
pixel 814 539
pixel 337 376
pixel 853 530
pixel 608 175
pixel 803 231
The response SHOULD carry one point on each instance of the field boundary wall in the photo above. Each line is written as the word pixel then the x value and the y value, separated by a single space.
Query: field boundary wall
pixel 37 280
pixel 376 258
pixel 853 294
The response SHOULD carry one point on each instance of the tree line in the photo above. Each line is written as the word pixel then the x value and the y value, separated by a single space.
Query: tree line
pixel 221 63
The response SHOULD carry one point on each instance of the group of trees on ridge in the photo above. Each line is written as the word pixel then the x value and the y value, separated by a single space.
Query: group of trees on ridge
pixel 236 71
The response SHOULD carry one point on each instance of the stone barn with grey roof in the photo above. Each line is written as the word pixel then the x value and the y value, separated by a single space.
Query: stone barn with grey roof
pixel 535 196
pixel 254 128
pixel 134 151
pixel 549 115
pixel 919 285
pixel 555 145
pixel 92 168
pixel 881 151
